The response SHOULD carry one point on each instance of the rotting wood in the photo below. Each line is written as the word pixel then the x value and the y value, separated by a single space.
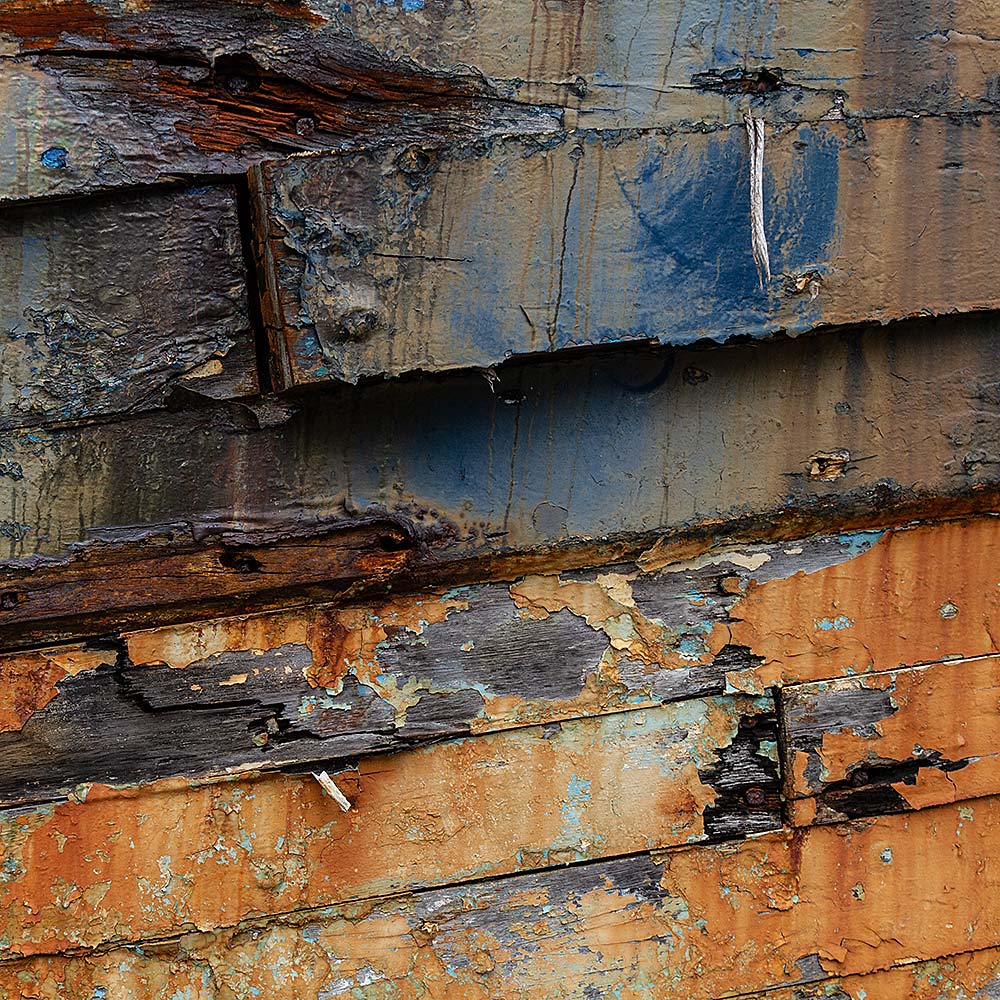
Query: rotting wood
pixel 889 742
pixel 697 923
pixel 326 681
pixel 90 124
pixel 368 258
pixel 107 305
pixel 314 684
pixel 531 463
pixel 135 93
pixel 136 863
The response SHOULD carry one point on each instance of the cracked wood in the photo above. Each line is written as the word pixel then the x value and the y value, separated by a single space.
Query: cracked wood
pixel 683 441
pixel 321 682
pixel 890 742
pixel 693 923
pixel 135 93
pixel 317 682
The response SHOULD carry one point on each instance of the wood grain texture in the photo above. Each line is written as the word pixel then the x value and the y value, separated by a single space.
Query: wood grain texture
pixel 422 258
pixel 698 922
pixel 109 305
pixel 877 612
pixel 206 855
pixel 971 974
pixel 168 87
pixel 892 741
pixel 685 441
pixel 80 123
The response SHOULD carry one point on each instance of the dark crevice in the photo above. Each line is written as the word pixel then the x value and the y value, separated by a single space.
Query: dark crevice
pixel 255 305
pixel 739 80
pixel 746 782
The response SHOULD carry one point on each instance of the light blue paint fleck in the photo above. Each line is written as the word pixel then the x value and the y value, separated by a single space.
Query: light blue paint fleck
pixel 100 993
pixel 886 856
pixel 577 796
pixel 412 5
pixel 856 542
pixel 837 624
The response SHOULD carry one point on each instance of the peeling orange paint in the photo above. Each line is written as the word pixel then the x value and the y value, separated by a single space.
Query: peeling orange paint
pixel 877 611
pixel 699 923
pixel 137 862
pixel 28 680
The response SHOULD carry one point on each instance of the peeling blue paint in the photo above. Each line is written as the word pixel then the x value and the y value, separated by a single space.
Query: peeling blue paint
pixel 54 158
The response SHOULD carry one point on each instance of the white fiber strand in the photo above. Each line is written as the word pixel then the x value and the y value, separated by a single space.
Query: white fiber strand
pixel 755 136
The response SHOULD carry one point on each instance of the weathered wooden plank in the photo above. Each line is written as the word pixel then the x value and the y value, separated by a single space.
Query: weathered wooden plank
pixel 83 123
pixel 216 85
pixel 108 305
pixel 369 258
pixel 323 682
pixel 650 444
pixel 145 861
pixel 894 741
pixel 919 596
pixel 698 923
pixel 972 974
pixel 326 681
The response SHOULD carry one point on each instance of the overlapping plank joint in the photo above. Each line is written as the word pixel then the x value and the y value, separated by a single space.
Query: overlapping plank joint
pixel 660 668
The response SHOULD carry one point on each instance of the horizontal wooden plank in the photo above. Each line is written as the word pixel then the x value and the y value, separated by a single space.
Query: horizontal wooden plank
pixel 697 923
pixel 83 124
pixel 213 86
pixel 695 441
pixel 321 681
pixel 109 305
pixel 894 741
pixel 369 257
pixel 890 606
pixel 145 861
pixel 971 974
pixel 326 681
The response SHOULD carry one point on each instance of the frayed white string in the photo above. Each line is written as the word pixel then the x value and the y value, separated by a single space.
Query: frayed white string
pixel 755 136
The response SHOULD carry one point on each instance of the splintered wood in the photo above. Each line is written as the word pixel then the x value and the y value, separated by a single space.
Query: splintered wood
pixel 474 526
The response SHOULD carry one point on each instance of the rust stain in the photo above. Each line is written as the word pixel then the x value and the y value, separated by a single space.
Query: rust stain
pixel 43 25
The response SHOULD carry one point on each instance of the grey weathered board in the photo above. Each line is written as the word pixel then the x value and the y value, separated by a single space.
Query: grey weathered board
pixel 108 305
pixel 139 93
pixel 457 256
pixel 561 452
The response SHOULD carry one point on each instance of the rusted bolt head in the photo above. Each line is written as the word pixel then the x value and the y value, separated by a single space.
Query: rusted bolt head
pixel 754 796
pixel 305 125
